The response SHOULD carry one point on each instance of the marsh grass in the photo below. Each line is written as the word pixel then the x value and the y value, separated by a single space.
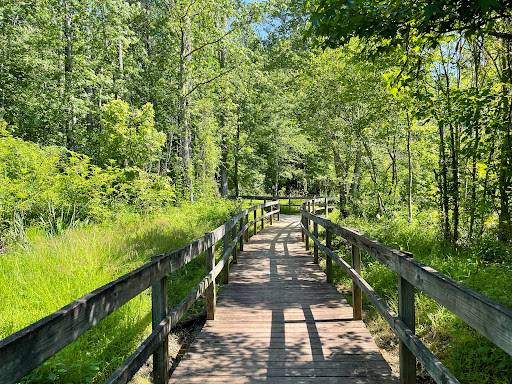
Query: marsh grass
pixel 483 265
pixel 45 273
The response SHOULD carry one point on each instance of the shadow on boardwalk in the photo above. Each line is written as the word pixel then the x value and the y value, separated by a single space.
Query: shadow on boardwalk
pixel 278 321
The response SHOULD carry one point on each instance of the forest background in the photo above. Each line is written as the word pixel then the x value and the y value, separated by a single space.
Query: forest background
pixel 401 109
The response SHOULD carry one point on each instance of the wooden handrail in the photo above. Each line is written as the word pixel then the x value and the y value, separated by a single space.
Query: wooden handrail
pixel 25 350
pixel 486 316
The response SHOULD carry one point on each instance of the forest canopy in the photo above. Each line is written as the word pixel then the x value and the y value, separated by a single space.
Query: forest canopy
pixel 396 107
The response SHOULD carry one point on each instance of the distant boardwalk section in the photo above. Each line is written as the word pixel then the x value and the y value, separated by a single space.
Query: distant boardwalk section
pixel 278 321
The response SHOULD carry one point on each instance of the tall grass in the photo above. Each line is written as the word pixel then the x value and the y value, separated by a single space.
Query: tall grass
pixel 46 273
pixel 485 265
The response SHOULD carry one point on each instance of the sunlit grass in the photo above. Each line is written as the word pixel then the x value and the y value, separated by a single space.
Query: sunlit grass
pixel 485 266
pixel 43 275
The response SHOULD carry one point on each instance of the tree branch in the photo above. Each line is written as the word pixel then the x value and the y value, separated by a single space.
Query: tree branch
pixel 209 43
pixel 208 81
pixel 503 35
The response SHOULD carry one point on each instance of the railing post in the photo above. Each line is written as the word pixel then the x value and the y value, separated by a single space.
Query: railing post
pixel 233 239
pixel 211 301
pixel 406 312
pixel 225 270
pixel 262 218
pixel 242 234
pixel 247 229
pixel 279 210
pixel 159 312
pixel 326 208
pixel 315 246
pixel 314 204
pixel 356 290
pixel 255 221
pixel 272 215
pixel 290 207
pixel 328 261
pixel 307 226
pixel 302 230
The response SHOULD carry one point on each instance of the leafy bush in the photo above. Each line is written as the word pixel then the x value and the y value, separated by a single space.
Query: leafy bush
pixel 55 188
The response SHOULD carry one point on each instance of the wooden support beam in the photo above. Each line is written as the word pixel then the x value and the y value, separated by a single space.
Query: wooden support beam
pixel 406 312
pixel 315 247
pixel 159 312
pixel 247 229
pixel 233 239
pixel 262 218
pixel 255 221
pixel 328 261
pixel 356 290
pixel 211 300
pixel 241 233
pixel 226 242
pixel 326 208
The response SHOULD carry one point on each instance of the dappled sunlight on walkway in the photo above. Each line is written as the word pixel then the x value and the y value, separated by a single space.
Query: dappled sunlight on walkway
pixel 278 321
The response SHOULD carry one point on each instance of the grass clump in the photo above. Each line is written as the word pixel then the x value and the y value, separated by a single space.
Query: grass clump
pixel 484 265
pixel 46 273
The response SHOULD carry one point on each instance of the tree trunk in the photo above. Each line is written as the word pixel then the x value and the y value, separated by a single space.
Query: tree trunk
pixel 340 177
pixel 184 113
pixel 443 183
pixel 355 181
pixel 505 190
pixel 68 76
pixel 373 173
pixel 409 165
pixel 121 70
pixel 454 148
pixel 237 150
pixel 224 187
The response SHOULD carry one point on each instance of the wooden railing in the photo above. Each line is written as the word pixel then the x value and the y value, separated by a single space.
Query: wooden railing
pixel 30 347
pixel 323 202
pixel 486 316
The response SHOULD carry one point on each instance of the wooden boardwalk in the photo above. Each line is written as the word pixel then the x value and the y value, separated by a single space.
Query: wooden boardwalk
pixel 278 321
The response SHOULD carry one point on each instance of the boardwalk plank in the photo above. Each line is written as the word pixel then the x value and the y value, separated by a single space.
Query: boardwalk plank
pixel 278 321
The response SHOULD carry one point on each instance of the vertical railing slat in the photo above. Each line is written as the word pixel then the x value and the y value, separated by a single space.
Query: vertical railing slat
pixel 328 261
pixel 406 312
pixel 211 300
pixel 356 290
pixel 159 312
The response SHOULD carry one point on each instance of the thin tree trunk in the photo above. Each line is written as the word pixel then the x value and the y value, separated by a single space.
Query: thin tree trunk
pixel 444 184
pixel 373 173
pixel 340 177
pixel 184 113
pixel 68 75
pixel 121 70
pixel 357 165
pixel 237 150
pixel 505 224
pixel 224 187
pixel 409 165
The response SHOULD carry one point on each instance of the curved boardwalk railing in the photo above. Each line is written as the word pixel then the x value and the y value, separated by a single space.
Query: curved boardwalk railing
pixel 486 316
pixel 30 347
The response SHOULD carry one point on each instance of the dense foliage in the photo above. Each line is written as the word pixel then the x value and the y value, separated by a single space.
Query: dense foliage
pixel 403 109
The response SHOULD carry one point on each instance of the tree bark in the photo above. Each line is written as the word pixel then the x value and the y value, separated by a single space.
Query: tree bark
pixel 409 165
pixel 184 113
pixel 373 173
pixel 68 76
pixel 357 165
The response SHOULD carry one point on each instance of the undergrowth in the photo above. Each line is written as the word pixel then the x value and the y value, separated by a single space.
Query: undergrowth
pixel 484 265
pixel 41 275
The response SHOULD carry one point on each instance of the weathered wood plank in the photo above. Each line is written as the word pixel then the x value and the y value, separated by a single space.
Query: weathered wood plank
pixel 279 317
